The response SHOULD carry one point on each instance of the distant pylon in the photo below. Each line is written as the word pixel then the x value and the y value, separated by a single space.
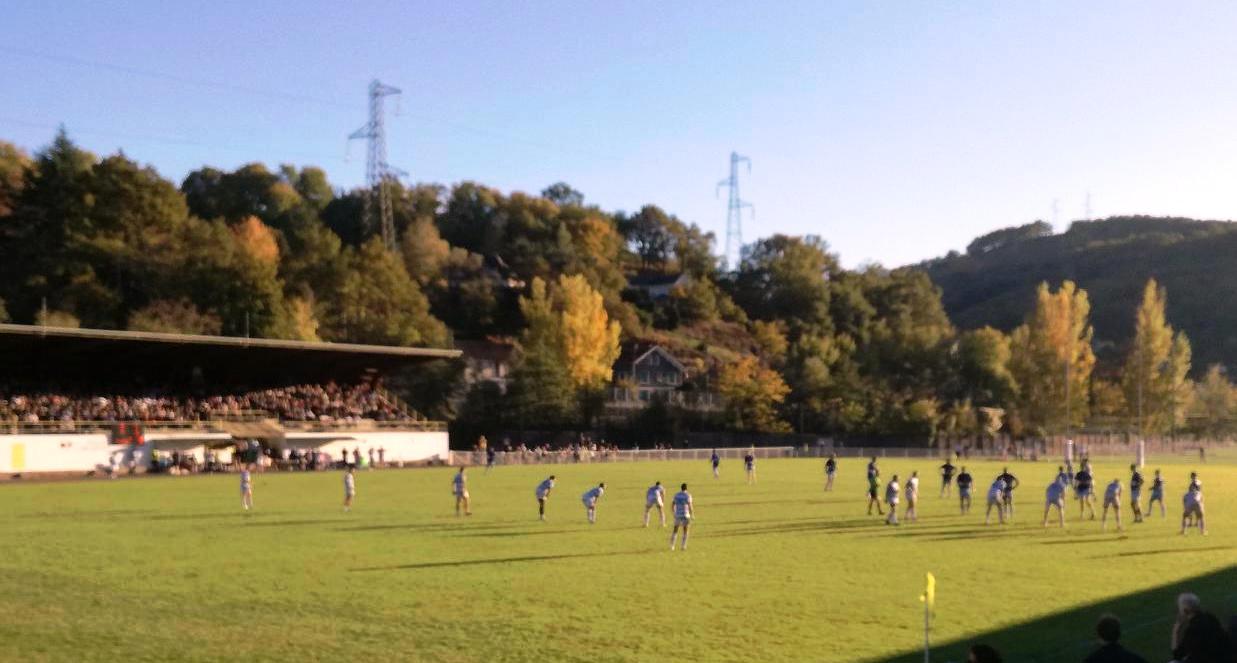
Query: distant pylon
pixel 734 212
pixel 378 173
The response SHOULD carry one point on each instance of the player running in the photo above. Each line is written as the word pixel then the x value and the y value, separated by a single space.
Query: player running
pixel 1055 496
pixel 874 488
pixel 590 501
pixel 912 496
pixel 349 488
pixel 749 463
pixel 947 478
pixel 891 499
pixel 1083 490
pixel 543 494
pixel 684 511
pixel 246 489
pixel 1157 494
pixel 1112 498
pixel 996 498
pixel 965 482
pixel 1011 482
pixel 1193 508
pixel 655 497
pixel 716 461
pixel 1136 492
pixel 831 471
pixel 459 488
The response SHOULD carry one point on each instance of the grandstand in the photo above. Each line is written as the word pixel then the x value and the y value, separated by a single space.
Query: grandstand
pixel 88 400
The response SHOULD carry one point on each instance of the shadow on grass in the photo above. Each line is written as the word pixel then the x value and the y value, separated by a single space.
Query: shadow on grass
pixel 1069 635
pixel 1170 551
pixel 499 560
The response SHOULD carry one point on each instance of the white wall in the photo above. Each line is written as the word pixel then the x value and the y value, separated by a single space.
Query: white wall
pixel 399 446
pixel 55 452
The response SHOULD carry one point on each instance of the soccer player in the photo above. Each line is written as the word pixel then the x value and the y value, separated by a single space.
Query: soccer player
pixel 912 496
pixel 1196 485
pixel 1055 496
pixel 1083 490
pixel 246 489
pixel 460 490
pixel 965 481
pixel 349 488
pixel 947 477
pixel 874 491
pixel 655 497
pixel 1157 493
pixel 831 471
pixel 1011 482
pixel 1193 503
pixel 891 499
pixel 716 460
pixel 872 469
pixel 684 511
pixel 590 501
pixel 996 498
pixel 1136 492
pixel 1112 498
pixel 543 494
pixel 749 462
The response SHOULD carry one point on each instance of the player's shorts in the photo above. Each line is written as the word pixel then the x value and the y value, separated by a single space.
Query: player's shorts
pixel 649 504
pixel 1136 495
pixel 1193 510
pixel 872 493
pixel 589 504
pixel 462 493
pixel 682 521
pixel 964 492
pixel 349 494
pixel 1082 493
pixel 893 502
pixel 1157 495
pixel 831 473
pixel 947 480
pixel 1008 497
pixel 1058 503
pixel 245 490
pixel 1112 501
pixel 995 501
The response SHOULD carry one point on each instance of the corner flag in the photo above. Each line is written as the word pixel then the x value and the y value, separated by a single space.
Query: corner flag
pixel 929 604
pixel 929 593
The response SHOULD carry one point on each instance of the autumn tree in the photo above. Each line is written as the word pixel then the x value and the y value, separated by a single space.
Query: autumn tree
pixel 178 316
pixel 1051 360
pixel 1214 401
pixel 1154 379
pixel 542 389
pixel 752 393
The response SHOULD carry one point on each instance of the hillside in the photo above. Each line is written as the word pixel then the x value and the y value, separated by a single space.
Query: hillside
pixel 994 282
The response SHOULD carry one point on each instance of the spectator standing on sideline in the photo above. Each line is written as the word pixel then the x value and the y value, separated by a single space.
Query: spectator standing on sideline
pixel 1109 631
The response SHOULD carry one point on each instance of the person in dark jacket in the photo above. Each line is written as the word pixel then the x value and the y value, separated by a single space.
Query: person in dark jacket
pixel 1111 651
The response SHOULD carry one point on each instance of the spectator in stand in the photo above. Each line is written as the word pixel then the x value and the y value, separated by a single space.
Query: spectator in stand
pixel 1204 640
pixel 1188 605
pixel 1109 631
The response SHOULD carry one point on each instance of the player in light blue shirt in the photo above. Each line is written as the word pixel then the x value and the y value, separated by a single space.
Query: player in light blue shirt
pixel 543 494
pixel 349 488
pixel 246 489
pixel 459 489
pixel 590 501
pixel 655 497
pixel 684 511
pixel 1055 496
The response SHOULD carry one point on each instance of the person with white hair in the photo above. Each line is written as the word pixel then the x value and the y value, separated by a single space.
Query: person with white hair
pixel 1188 605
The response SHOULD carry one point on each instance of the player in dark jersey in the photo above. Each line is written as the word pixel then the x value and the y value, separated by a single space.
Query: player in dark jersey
pixel 1083 490
pixel 947 477
pixel 1157 493
pixel 1136 490
pixel 831 471
pixel 874 490
pixel 749 462
pixel 1007 498
pixel 872 471
pixel 965 481
pixel 716 461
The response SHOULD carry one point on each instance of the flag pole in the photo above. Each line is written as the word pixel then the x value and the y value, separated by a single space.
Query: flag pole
pixel 927 624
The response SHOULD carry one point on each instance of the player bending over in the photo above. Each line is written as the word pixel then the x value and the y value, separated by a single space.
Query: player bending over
pixel 543 494
pixel 947 477
pixel 655 497
pixel 684 511
pixel 1136 493
pixel 965 482
pixel 460 490
pixel 891 499
pixel 590 501
pixel 349 488
pixel 912 497
pixel 831 471
pixel 996 498
pixel 246 489
pixel 874 488
pixel 1193 511
pixel 1112 498
pixel 1157 494
pixel 1055 496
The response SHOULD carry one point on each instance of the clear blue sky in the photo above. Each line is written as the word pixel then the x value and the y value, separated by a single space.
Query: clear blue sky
pixel 895 130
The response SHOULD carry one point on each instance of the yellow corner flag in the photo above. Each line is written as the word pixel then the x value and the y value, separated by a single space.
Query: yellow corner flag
pixel 929 592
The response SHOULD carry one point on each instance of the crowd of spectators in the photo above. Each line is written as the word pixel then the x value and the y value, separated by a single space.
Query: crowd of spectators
pixel 1197 636
pixel 327 402
pixel 252 454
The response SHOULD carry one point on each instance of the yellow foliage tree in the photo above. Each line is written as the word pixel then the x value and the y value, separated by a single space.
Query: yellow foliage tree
pixel 753 393
pixel 590 339
pixel 1051 360
pixel 1154 380
pixel 257 239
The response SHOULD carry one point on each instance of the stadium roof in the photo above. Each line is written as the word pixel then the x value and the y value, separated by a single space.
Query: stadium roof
pixel 31 353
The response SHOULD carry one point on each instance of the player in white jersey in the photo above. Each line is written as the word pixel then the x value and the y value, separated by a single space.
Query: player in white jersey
pixel 459 488
pixel 543 494
pixel 912 496
pixel 655 497
pixel 996 498
pixel 349 488
pixel 684 511
pixel 1196 484
pixel 1055 496
pixel 1112 498
pixel 1193 508
pixel 246 489
pixel 891 498
pixel 590 501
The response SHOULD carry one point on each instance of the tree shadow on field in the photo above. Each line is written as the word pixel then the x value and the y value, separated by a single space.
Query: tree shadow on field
pixel 430 527
pixel 814 525
pixel 500 560
pixel 1069 635
pixel 1171 551
pixel 45 515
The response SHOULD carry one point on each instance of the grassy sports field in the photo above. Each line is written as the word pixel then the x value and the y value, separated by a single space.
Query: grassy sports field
pixel 171 568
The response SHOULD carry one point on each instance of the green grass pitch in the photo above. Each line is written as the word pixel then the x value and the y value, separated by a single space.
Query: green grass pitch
pixel 171 568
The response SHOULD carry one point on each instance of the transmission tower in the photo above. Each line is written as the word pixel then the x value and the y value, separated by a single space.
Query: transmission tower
pixel 734 212
pixel 378 172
